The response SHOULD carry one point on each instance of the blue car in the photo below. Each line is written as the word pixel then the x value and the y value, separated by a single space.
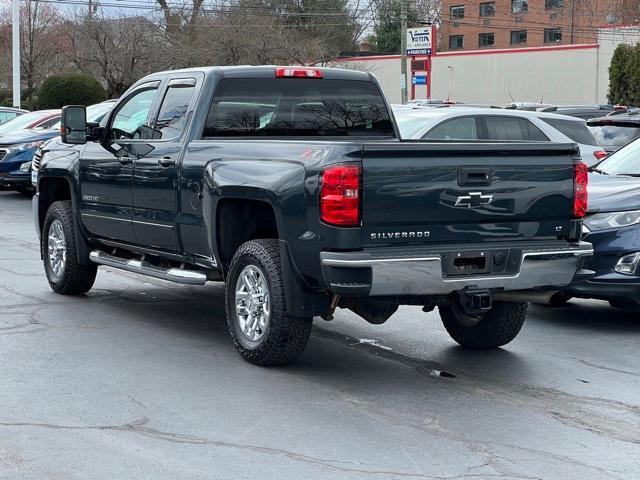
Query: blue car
pixel 16 152
pixel 612 225
pixel 18 149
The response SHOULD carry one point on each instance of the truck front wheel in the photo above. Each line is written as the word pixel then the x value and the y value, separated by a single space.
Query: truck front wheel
pixel 491 329
pixel 262 330
pixel 64 271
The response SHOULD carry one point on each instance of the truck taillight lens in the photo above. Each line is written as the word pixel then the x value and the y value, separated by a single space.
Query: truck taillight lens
pixel 599 154
pixel 340 196
pixel 580 197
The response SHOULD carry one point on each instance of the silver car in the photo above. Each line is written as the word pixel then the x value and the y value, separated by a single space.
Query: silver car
pixel 498 125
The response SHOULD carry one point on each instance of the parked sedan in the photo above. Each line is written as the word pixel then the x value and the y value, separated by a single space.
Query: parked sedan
pixel 500 125
pixel 612 226
pixel 8 113
pixel 16 152
pixel 37 119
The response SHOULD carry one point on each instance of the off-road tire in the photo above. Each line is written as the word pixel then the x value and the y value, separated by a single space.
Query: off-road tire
pixel 286 336
pixel 490 329
pixel 76 279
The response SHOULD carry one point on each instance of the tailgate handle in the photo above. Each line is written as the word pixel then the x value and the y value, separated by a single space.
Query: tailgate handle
pixel 474 176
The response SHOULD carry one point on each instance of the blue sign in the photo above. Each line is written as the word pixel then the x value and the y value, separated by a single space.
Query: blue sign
pixel 419 80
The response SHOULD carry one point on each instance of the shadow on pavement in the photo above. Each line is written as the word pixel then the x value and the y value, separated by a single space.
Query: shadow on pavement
pixel 593 315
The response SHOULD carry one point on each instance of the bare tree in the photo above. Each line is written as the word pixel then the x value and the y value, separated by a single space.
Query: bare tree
pixel 118 51
pixel 278 31
pixel 40 43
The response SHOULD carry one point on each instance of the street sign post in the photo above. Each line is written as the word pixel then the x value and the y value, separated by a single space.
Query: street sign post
pixel 420 42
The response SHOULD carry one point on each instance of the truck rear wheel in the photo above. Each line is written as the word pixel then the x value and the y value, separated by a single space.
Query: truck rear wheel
pixel 66 275
pixel 490 329
pixel 262 330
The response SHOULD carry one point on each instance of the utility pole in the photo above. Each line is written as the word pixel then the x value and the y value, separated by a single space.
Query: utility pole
pixel 403 49
pixel 15 45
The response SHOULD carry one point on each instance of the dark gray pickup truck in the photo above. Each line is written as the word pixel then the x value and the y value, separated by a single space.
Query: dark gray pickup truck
pixel 291 185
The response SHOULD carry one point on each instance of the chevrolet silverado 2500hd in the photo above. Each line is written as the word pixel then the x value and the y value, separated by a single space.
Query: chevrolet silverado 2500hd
pixel 290 184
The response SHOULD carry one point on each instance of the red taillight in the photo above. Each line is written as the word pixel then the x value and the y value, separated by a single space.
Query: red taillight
pixel 340 196
pixel 294 72
pixel 580 197
pixel 599 154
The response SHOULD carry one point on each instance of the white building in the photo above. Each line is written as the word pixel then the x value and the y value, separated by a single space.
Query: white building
pixel 563 74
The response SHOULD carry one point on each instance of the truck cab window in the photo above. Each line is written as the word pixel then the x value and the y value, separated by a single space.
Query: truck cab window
pixel 291 107
pixel 130 120
pixel 173 112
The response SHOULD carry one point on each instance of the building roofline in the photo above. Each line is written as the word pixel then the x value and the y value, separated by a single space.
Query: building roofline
pixel 497 51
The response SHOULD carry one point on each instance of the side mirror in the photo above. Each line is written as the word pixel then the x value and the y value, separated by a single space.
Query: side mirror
pixel 73 125
pixel 94 131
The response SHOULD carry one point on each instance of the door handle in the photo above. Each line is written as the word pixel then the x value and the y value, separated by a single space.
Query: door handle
pixel 125 160
pixel 166 162
pixel 474 176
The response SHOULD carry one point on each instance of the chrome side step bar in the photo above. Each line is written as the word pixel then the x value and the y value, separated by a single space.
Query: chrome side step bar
pixel 178 275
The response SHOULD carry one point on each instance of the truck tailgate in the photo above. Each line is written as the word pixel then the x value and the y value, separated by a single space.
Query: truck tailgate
pixel 427 193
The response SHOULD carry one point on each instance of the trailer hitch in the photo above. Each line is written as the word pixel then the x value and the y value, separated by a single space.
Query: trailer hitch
pixel 475 301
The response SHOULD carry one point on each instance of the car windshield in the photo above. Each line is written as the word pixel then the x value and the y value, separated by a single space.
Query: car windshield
pixel 614 136
pixel 21 122
pixel 95 113
pixel 625 161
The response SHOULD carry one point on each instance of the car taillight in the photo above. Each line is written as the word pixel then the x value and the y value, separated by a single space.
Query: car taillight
pixel 292 72
pixel 599 154
pixel 580 197
pixel 340 196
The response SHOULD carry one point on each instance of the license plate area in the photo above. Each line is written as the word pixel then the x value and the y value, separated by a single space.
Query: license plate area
pixel 462 265
pixel 475 262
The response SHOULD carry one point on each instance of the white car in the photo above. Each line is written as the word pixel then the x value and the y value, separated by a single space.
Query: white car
pixel 498 125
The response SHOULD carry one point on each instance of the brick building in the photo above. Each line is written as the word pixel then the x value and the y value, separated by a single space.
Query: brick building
pixel 480 24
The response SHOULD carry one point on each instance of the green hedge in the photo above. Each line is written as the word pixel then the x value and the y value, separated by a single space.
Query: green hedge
pixel 70 89
pixel 624 75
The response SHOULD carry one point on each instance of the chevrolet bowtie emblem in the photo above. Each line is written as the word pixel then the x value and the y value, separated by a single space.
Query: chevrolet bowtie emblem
pixel 473 200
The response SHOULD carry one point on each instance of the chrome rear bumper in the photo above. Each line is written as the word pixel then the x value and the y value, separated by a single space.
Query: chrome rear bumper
pixel 373 273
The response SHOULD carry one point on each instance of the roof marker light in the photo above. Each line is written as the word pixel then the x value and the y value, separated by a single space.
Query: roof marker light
pixel 298 72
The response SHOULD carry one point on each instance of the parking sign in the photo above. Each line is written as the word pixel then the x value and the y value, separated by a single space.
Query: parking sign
pixel 419 41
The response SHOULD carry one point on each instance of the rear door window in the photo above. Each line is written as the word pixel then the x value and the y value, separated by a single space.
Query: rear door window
pixel 462 128
pixel 294 107
pixel 512 128
pixel 173 111
pixel 576 130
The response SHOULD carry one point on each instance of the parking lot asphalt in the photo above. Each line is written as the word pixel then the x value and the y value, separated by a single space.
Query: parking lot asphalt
pixel 139 380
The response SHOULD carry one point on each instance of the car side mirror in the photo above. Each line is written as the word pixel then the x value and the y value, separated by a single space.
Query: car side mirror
pixel 94 131
pixel 73 125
